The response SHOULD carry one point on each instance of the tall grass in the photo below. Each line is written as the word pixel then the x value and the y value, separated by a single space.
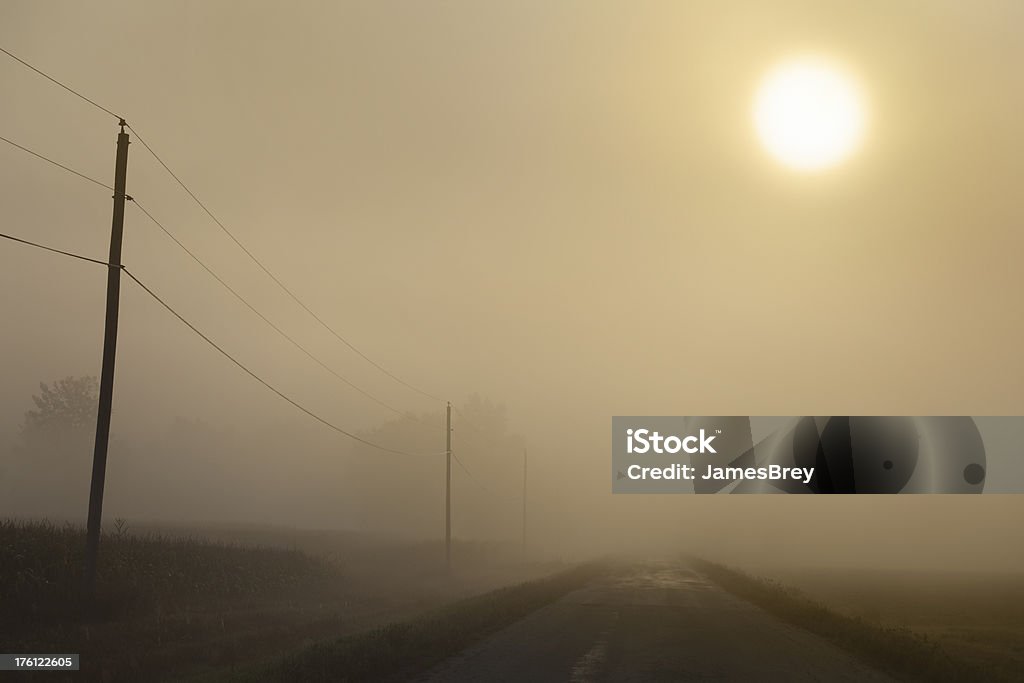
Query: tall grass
pixel 41 573
pixel 900 651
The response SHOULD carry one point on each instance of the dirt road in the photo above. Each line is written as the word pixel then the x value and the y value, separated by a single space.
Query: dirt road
pixel 652 622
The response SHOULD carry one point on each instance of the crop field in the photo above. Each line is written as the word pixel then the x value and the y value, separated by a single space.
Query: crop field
pixel 170 604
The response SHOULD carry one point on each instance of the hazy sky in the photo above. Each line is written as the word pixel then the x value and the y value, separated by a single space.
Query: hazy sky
pixel 561 206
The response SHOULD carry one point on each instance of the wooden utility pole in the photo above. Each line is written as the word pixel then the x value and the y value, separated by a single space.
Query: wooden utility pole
pixel 524 502
pixel 99 458
pixel 448 487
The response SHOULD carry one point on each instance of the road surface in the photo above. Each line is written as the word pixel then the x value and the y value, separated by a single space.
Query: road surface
pixel 652 622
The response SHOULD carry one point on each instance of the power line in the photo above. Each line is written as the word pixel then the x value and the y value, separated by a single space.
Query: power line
pixel 263 381
pixel 277 280
pixel 470 474
pixel 480 484
pixel 255 260
pixel 265 319
pixel 54 80
pixel 216 277
pixel 216 346
pixel 237 242
pixel 56 163
pixel 248 253
pixel 54 250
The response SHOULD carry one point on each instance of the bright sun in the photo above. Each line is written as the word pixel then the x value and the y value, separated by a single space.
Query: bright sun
pixel 809 114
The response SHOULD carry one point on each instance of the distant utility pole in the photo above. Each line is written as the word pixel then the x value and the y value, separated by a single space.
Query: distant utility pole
pixel 524 502
pixel 448 488
pixel 99 458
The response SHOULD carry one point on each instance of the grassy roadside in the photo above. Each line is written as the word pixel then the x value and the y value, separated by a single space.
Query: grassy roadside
pixel 396 651
pixel 899 651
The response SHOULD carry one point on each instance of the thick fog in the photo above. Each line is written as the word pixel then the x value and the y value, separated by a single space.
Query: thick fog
pixel 547 214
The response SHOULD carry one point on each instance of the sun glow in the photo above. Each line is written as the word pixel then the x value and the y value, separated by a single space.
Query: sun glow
pixel 809 115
